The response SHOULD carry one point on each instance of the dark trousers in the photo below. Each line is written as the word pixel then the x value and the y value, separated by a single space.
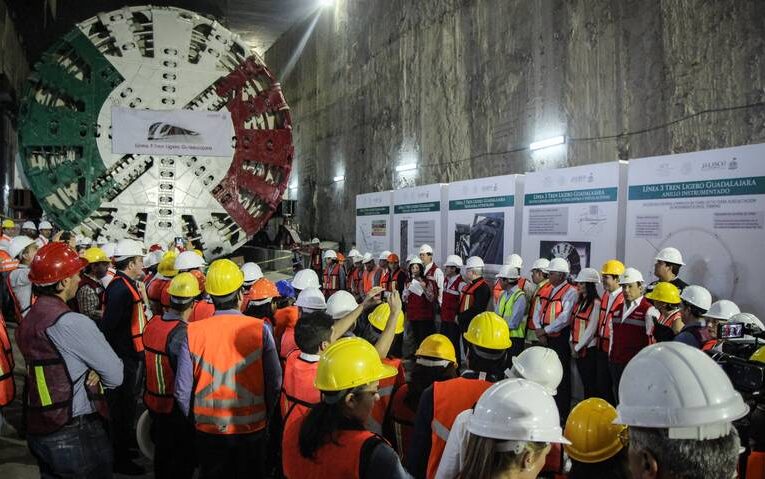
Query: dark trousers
pixel 81 449
pixel 516 347
pixel 560 345
pixel 421 329
pixel 123 401
pixel 587 367
pixel 603 377
pixel 173 437
pixel 231 456
pixel 616 371
pixel 451 330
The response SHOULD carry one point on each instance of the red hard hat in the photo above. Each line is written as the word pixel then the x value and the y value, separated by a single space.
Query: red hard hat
pixel 393 258
pixel 54 262
pixel 200 276
pixel 155 247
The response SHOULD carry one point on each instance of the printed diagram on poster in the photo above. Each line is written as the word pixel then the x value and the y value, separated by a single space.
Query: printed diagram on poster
pixel 482 218
pixel 418 218
pixel 572 213
pixel 373 219
pixel 711 206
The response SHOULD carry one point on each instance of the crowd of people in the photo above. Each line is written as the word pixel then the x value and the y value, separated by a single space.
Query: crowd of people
pixel 365 366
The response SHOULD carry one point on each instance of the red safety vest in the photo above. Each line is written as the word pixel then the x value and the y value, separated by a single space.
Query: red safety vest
pixel 451 300
pixel 543 288
pixel 382 278
pixel 385 389
pixel 287 344
pixel 607 317
pixel 138 316
pixel 340 457
pixel 450 398
pixel 397 278
pixel 581 320
pixel 418 308
pixel 353 282
pixel 670 319
pixel 331 280
pixel 755 465
pixel 316 259
pixel 49 390
pixel 402 417
pixel 554 462
pixel 229 390
pixel 551 305
pixel 202 309
pixel 629 334
pixel 467 299
pixel 298 392
pixel 7 363
pixel 160 377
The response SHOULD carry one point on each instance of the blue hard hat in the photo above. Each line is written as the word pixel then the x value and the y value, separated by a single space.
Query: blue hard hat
pixel 285 289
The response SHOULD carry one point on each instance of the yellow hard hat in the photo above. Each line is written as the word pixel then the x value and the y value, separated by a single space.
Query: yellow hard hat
pixel 166 265
pixel 593 436
pixel 95 255
pixel 223 277
pixel 488 330
pixel 184 285
pixel 437 346
pixel 612 267
pixel 349 363
pixel 379 318
pixel 664 292
pixel 8 223
pixel 198 252
pixel 758 355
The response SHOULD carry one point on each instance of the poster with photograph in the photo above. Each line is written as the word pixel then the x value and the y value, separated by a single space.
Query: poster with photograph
pixel 373 222
pixel 573 213
pixel 482 219
pixel 419 217
pixel 711 206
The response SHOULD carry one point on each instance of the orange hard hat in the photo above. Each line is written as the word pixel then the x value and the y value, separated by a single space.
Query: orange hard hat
pixel 200 276
pixel 7 264
pixel 393 258
pixel 263 288
pixel 340 257
pixel 55 262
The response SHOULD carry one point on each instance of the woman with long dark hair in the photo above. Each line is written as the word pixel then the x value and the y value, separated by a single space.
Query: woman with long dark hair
pixel 584 328
pixel 420 296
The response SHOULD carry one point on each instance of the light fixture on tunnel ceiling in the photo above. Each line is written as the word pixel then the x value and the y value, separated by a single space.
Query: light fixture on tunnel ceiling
pixel 338 178
pixel 326 3
pixel 554 141
pixel 407 167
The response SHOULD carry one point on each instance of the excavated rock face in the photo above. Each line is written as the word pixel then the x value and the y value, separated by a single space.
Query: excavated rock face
pixel 461 85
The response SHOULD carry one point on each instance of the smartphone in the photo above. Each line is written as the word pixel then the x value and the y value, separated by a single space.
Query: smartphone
pixel 179 241
pixel 386 295
pixel 728 330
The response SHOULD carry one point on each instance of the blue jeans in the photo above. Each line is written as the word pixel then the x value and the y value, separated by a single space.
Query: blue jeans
pixel 81 449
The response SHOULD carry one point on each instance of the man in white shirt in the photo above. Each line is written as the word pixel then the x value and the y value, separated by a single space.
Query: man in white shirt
pixel 432 270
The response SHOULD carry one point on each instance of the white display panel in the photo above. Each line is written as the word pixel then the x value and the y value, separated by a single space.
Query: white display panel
pixel 711 206
pixel 373 222
pixel 419 217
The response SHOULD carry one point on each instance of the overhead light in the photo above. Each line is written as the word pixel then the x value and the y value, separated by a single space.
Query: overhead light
pixel 407 167
pixel 337 179
pixel 326 3
pixel 556 140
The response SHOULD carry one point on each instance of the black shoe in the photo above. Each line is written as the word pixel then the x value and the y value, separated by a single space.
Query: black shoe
pixel 128 468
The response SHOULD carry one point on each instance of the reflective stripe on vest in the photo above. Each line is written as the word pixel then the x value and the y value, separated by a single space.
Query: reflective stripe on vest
pixel 505 309
pixel 467 300
pixel 581 319
pixel 228 374
pixel 552 306
pixel 160 377
pixel 332 278
pixel 450 302
pixel 629 334
pixel 670 319
pixel 385 390
pixel 7 384
pixel 298 392
pixel 138 316
pixel 606 319
pixel 541 289
pixel 367 280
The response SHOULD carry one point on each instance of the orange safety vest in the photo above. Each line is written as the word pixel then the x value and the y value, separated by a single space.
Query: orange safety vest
pixel 138 317
pixel 354 280
pixel 552 306
pixel 384 279
pixel 607 317
pixel 298 392
pixel 755 465
pixel 385 390
pixel 331 280
pixel 202 309
pixel 543 288
pixel 285 318
pixel 229 390
pixel 467 299
pixel 450 398
pixel 367 280
pixel 287 344
pixel 160 377
pixel 7 363
pixel 671 318
pixel 581 320
pixel 339 457
pixel 402 417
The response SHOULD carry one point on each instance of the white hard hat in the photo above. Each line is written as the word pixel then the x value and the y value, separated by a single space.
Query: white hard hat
pixel 698 296
pixel 340 304
pixel 588 275
pixel 509 272
pixel 426 249
pixel 631 275
pixel 315 241
pixel 474 262
pixel 678 387
pixel 514 260
pixel 251 271
pixel 453 260
pixel 101 241
pixel 722 309
pixel 151 259
pixel 312 299
pixel 85 241
pixel 384 255
pixel 558 265
pixel 748 318
pixel 540 365
pixel 354 253
pixel 5 245
pixel 305 278
pixel 189 260
pixel 143 435
pixel 367 258
pixel 330 254
pixel 29 225
pixel 415 260
pixel 18 244
pixel 517 410
pixel 127 248
pixel 541 264
pixel 45 225
pixel 416 288
pixel 109 249
pixel 670 255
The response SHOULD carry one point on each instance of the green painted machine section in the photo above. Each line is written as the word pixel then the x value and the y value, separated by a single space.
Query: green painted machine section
pixel 59 127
